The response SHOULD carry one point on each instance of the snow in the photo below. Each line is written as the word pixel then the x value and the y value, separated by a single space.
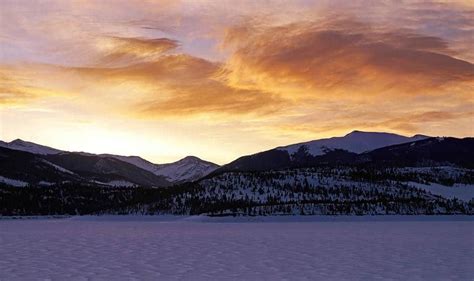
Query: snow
pixel 116 183
pixel 120 183
pixel 187 169
pixel 355 141
pixel 280 186
pixel 269 219
pixel 460 191
pixel 13 182
pixel 59 168
pixel 22 145
pixel 45 183
pixel 77 249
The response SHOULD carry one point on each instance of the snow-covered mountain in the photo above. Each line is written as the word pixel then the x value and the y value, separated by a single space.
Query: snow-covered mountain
pixel 187 169
pixel 31 147
pixel 428 176
pixel 336 149
pixel 356 141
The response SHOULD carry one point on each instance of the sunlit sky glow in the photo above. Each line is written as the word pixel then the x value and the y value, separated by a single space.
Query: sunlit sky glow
pixel 220 79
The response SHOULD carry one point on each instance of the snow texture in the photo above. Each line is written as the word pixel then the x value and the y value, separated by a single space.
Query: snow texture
pixel 355 141
pixel 127 249
pixel 117 183
pixel 13 182
pixel 460 191
pixel 59 168
pixel 187 169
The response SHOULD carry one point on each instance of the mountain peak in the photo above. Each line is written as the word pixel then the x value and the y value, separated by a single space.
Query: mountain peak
pixel 22 145
pixel 355 132
pixel 190 159
pixel 364 133
pixel 189 168
pixel 356 141
pixel 420 136
pixel 18 141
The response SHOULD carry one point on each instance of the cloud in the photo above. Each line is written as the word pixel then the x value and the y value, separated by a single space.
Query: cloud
pixel 342 58
pixel 418 121
pixel 128 50
pixel 69 32
pixel 405 121
pixel 10 93
pixel 138 77
pixel 179 85
pixel 228 78
pixel 296 66
pixel 21 85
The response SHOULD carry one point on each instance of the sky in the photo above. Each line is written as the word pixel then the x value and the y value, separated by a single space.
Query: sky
pixel 221 79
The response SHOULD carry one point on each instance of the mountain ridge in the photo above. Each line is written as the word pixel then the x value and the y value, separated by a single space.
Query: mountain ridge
pixel 186 169
pixel 354 148
pixel 356 141
pixel 349 149
pixel 431 176
pixel 19 144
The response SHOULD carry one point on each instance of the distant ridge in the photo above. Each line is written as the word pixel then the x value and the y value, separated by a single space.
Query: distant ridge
pixel 355 141
pixel 189 168
pixel 335 149
pixel 354 148
pixel 428 176
pixel 31 147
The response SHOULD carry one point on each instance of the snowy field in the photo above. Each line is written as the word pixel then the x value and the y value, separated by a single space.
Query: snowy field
pixel 460 191
pixel 153 248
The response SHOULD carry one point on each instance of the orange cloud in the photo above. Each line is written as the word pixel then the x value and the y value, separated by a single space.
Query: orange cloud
pixel 138 77
pixel 10 93
pixel 180 84
pixel 418 121
pixel 408 121
pixel 19 86
pixel 343 58
pixel 127 50
pixel 284 72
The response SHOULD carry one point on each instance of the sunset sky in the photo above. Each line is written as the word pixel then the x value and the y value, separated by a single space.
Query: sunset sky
pixel 221 79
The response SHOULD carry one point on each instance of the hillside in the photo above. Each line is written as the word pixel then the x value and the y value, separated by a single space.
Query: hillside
pixel 104 168
pixel 425 152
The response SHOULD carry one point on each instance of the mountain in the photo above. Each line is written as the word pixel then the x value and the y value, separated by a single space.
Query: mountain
pixel 428 152
pixel 22 167
pixel 134 160
pixel 428 176
pixel 31 147
pixel 29 168
pixel 106 169
pixel 361 149
pixel 187 169
pixel 356 141
pixel 333 150
pixel 190 168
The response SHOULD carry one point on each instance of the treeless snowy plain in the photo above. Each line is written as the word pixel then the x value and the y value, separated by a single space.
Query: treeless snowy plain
pixel 151 248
